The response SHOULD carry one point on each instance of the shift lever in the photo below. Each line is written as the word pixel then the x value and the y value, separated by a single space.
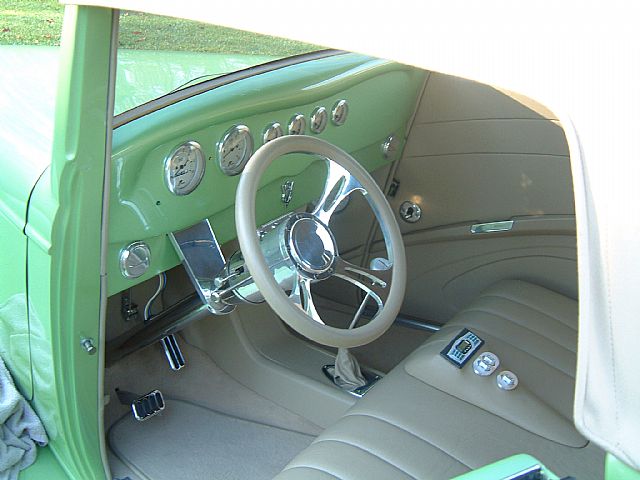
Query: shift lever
pixel 347 374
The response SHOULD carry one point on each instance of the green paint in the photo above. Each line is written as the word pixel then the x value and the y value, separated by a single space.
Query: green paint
pixel 505 468
pixel 143 209
pixel 64 249
pixel 46 466
pixel 614 469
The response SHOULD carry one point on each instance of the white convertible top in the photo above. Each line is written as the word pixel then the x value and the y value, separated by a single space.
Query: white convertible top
pixel 579 58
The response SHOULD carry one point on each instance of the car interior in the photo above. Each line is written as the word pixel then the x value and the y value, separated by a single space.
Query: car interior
pixel 337 266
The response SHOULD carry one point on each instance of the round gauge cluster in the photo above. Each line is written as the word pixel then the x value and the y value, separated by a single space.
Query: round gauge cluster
pixel 185 165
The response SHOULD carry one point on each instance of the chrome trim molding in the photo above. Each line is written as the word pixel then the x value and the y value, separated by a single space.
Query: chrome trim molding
pixel 491 227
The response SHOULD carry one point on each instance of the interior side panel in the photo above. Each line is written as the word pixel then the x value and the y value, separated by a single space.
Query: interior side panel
pixel 475 154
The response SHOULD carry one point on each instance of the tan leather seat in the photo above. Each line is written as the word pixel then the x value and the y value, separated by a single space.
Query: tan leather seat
pixel 429 420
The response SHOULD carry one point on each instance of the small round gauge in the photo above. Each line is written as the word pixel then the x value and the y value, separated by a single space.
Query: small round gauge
pixel 272 132
pixel 339 112
pixel 319 119
pixel 297 125
pixel 184 168
pixel 234 149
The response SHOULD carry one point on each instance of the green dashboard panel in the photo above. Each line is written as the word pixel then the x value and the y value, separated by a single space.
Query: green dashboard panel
pixel 382 96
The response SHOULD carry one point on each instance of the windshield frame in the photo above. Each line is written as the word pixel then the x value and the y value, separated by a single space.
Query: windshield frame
pixel 207 85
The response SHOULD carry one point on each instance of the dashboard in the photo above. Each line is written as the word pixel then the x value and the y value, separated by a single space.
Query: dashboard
pixel 178 165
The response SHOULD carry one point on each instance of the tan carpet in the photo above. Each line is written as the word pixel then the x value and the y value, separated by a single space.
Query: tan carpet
pixel 192 442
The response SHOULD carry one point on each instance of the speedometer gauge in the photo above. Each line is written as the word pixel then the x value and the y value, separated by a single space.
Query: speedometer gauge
pixel 234 149
pixel 184 168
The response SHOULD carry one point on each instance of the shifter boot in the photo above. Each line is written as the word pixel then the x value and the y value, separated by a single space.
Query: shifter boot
pixel 347 371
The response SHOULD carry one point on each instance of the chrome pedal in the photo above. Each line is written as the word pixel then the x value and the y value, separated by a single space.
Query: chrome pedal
pixel 173 352
pixel 145 406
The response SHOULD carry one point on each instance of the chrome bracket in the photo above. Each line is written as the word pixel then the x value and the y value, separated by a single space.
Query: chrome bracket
pixel 202 258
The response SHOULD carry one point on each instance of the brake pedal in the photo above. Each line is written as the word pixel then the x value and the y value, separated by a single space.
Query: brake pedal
pixel 145 406
pixel 173 352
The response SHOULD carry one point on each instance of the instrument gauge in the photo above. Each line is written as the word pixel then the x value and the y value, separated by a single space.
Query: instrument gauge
pixel 297 125
pixel 184 168
pixel 319 119
pixel 339 112
pixel 234 149
pixel 272 132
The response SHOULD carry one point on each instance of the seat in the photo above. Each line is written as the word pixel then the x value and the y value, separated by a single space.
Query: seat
pixel 428 419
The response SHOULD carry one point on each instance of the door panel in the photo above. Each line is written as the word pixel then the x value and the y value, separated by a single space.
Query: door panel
pixel 476 154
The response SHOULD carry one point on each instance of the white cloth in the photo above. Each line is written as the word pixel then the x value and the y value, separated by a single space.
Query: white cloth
pixel 347 373
pixel 20 429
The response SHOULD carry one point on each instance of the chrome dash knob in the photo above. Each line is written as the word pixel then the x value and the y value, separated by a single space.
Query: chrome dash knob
pixel 486 364
pixel 507 380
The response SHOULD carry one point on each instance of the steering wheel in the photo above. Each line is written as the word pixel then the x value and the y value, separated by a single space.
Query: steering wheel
pixel 309 245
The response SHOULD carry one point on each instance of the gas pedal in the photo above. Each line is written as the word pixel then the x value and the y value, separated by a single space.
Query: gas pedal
pixel 173 352
pixel 145 406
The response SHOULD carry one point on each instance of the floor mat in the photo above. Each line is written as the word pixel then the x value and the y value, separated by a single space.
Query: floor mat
pixel 189 441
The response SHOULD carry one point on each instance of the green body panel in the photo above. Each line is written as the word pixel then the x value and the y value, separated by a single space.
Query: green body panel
pixel 506 468
pixel 46 467
pixel 614 469
pixel 142 208
pixel 26 124
pixel 64 250
pixel 14 320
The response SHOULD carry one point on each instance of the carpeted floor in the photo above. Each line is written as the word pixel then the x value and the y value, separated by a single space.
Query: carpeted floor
pixel 190 441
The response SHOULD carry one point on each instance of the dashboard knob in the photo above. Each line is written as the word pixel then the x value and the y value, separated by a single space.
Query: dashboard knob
pixel 486 364
pixel 507 380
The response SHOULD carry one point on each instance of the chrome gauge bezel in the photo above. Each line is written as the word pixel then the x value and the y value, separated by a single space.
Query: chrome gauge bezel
pixel 196 178
pixel 244 131
pixel 297 124
pixel 271 132
pixel 319 120
pixel 340 112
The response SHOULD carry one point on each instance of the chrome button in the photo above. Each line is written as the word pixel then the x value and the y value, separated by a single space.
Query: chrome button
pixel 486 364
pixel 507 380
pixel 135 259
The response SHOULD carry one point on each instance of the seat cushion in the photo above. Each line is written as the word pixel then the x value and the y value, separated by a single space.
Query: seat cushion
pixel 429 420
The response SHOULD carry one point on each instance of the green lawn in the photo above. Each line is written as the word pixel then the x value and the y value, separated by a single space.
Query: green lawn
pixel 39 22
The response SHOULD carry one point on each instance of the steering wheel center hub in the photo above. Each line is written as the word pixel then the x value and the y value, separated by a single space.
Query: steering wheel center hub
pixel 311 246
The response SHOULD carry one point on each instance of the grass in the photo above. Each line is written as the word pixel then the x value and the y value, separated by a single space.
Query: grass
pixel 39 22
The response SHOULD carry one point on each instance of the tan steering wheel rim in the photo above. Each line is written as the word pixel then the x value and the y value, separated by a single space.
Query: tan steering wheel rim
pixel 245 212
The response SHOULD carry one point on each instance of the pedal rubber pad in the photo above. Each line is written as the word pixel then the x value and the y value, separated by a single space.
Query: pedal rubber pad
pixel 460 350
pixel 148 405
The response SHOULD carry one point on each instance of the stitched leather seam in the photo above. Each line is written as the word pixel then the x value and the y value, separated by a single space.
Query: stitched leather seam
pixel 369 452
pixel 573 352
pixel 409 433
pixel 313 467
pixel 520 302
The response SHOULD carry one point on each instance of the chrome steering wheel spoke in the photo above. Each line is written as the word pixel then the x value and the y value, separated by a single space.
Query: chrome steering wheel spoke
pixel 338 186
pixel 376 283
pixel 301 297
